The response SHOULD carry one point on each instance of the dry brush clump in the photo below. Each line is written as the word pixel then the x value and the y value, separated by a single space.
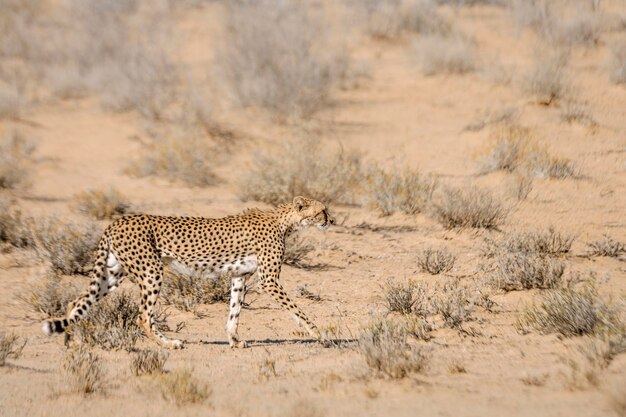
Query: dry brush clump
pixel 110 324
pixel 296 250
pixel 569 312
pixel 68 247
pixel 50 297
pixel 513 148
pixel 525 260
pixel 188 159
pixel 547 80
pixel 84 371
pixel 436 54
pixel 186 291
pixel 278 56
pixel 302 167
pixel 15 154
pixel 385 348
pixel 15 230
pixel 388 19
pixel 10 347
pixel 101 204
pixel 409 297
pixel 181 387
pixel 452 302
pixel 607 246
pixel 148 362
pixel 469 206
pixel 435 261
pixel 405 191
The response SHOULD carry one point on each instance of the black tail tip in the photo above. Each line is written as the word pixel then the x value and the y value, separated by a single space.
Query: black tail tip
pixel 53 326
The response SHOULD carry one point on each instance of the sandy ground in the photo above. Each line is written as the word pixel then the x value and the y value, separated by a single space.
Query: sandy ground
pixel 396 114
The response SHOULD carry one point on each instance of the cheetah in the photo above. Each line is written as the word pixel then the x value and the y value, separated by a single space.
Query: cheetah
pixel 239 245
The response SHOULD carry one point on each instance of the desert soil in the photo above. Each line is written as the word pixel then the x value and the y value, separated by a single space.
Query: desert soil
pixel 394 116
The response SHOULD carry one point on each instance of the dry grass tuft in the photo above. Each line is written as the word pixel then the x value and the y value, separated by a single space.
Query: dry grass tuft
pixel 572 312
pixel 303 292
pixel 110 324
pixel 187 159
pixel 535 380
pixel 101 204
pixel 398 191
pixel 438 54
pixel 267 369
pixel 277 56
pixel 617 63
pixel 69 247
pixel 520 186
pixel 405 297
pixel 83 368
pixel 50 297
pixel 387 19
pixel 14 229
pixel 435 261
pixel 183 388
pixel 523 271
pixel 606 247
pixel 418 327
pixel 453 303
pixel 10 347
pixel 514 148
pixel 15 152
pixel 296 250
pixel 573 111
pixel 302 167
pixel 468 207
pixel 547 80
pixel 384 346
pixel 586 360
pixel 148 362
pixel 185 291
pixel 543 243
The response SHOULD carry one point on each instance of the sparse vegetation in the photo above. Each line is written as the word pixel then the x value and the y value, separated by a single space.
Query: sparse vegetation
pixel 405 297
pixel 183 388
pixel 67 246
pixel 267 369
pixel 606 246
pixel 543 243
pixel 83 368
pixel 520 186
pixel 185 291
pixel 547 81
pixel 111 323
pixel 535 380
pixel 573 111
pixel 435 261
pixel 303 292
pixel 586 360
pixel 50 297
pixel 15 152
pixel 438 54
pixel 452 302
pixel 384 346
pixel 101 204
pixel 418 327
pixel 515 149
pixel 398 191
pixel 388 19
pixel 296 250
pixel 10 347
pixel 468 207
pixel 571 312
pixel 522 271
pixel 302 167
pixel 14 229
pixel 187 159
pixel 276 57
pixel 147 362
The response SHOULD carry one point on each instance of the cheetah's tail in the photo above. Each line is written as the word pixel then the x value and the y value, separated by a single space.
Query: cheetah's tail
pixel 81 305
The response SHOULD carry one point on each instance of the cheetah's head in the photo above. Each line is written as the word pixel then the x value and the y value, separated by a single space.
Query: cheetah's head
pixel 312 213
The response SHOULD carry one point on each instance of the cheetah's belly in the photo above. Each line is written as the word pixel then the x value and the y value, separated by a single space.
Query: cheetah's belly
pixel 243 266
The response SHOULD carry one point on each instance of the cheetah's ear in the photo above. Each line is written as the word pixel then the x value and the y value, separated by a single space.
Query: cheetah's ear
pixel 299 202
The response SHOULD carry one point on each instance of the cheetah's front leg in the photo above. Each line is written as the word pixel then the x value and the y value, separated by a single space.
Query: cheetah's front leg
pixel 279 294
